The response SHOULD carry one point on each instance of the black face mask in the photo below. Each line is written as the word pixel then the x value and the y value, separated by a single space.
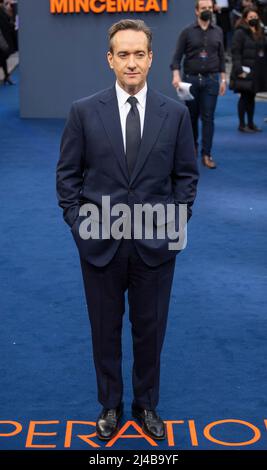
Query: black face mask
pixel 205 15
pixel 253 22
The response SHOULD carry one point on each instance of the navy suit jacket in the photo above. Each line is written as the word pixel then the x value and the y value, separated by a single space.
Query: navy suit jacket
pixel 92 164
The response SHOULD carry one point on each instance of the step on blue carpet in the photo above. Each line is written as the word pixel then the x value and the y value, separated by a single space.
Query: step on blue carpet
pixel 214 361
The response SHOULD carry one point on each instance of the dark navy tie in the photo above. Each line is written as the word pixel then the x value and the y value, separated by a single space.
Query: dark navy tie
pixel 133 134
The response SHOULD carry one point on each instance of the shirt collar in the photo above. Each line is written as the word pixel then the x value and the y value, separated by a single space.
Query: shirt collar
pixel 123 96
pixel 197 25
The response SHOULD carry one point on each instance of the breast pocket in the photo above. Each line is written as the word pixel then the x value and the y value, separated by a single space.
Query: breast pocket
pixel 161 159
pixel 164 147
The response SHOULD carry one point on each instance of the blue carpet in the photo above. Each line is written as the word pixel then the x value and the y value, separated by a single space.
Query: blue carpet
pixel 214 357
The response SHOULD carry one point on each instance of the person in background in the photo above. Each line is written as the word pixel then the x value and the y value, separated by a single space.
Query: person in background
pixel 12 10
pixel 201 46
pixel 8 7
pixel 7 30
pixel 222 9
pixel 238 8
pixel 262 8
pixel 249 69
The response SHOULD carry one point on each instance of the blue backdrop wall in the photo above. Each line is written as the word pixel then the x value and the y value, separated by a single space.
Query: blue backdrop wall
pixel 63 57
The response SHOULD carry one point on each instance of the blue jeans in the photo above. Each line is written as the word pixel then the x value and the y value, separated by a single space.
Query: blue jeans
pixel 205 90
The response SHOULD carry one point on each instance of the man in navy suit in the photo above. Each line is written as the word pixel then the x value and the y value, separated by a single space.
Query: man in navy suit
pixel 134 146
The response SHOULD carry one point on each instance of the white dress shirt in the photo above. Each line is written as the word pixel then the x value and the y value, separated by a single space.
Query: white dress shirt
pixel 124 108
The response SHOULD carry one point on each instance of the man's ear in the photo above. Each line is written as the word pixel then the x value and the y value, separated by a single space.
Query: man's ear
pixel 110 59
pixel 151 58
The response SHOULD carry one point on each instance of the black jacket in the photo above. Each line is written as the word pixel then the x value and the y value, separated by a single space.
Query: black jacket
pixel 250 52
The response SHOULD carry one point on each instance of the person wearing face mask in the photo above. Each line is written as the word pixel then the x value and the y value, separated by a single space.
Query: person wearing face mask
pixel 201 47
pixel 238 8
pixel 249 69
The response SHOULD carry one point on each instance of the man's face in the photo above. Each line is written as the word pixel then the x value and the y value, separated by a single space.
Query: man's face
pixel 130 59
pixel 204 5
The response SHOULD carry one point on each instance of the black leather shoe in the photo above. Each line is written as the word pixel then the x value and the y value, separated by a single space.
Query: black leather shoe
pixel 107 424
pixel 152 424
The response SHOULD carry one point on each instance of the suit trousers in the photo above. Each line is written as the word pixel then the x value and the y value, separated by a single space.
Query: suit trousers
pixel 149 291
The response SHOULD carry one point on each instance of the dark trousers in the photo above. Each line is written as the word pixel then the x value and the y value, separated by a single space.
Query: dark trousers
pixel 148 296
pixel 223 20
pixel 246 106
pixel 205 90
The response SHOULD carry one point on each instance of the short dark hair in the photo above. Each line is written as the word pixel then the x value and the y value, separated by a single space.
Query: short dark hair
pixel 197 3
pixel 136 25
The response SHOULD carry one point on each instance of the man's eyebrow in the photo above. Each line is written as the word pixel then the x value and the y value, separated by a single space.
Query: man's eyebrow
pixel 128 52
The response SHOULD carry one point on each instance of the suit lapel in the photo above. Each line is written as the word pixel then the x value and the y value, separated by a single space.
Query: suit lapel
pixel 155 115
pixel 154 118
pixel 109 113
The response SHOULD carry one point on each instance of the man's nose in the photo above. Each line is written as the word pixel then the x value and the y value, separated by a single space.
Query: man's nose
pixel 131 62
